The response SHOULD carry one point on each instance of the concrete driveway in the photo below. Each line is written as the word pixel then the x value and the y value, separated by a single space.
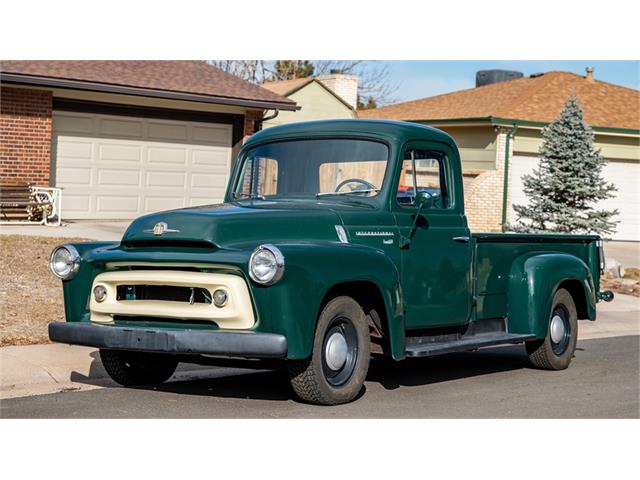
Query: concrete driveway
pixel 101 231
pixel 627 253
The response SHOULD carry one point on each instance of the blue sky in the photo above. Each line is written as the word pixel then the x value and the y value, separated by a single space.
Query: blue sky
pixel 419 79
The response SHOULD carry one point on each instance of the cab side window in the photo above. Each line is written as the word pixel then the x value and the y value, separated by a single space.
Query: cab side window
pixel 428 177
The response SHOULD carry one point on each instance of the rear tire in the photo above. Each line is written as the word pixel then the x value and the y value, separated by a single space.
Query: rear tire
pixel 338 365
pixel 132 369
pixel 556 350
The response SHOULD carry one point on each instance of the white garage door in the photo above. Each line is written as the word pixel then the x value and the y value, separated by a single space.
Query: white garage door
pixel 115 167
pixel 625 175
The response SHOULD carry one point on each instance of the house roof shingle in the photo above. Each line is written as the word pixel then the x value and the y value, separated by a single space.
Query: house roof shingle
pixel 536 99
pixel 285 87
pixel 185 77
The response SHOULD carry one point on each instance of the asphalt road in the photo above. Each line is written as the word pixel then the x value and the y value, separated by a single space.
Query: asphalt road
pixel 602 382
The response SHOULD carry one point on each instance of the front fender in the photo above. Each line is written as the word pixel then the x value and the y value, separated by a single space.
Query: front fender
pixel 311 270
pixel 290 307
pixel 76 291
pixel 533 281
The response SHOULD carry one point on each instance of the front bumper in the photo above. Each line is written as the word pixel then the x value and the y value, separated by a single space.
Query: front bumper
pixel 224 343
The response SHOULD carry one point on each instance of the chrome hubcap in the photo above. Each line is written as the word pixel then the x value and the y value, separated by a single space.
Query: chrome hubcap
pixel 336 351
pixel 557 329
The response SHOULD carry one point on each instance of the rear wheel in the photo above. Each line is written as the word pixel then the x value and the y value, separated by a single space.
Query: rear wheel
pixel 556 350
pixel 138 368
pixel 338 365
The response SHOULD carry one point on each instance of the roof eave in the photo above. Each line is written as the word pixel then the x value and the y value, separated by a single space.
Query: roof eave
pixel 501 121
pixel 454 121
pixel 144 92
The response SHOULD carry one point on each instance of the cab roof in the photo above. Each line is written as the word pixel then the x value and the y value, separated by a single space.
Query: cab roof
pixel 391 130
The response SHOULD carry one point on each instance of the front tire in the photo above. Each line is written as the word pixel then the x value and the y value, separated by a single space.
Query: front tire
pixel 132 369
pixel 556 350
pixel 338 365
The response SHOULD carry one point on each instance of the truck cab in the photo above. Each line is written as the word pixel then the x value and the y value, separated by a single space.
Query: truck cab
pixel 336 239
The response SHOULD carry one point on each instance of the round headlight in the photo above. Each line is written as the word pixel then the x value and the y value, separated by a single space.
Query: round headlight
pixel 64 262
pixel 266 265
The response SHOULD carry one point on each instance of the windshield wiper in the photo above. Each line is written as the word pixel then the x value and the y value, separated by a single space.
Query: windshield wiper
pixel 349 192
pixel 238 195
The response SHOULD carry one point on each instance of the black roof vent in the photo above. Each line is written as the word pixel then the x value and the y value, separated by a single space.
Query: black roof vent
pixel 487 77
pixel 536 75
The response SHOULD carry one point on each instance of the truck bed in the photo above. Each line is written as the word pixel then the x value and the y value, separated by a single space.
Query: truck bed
pixel 495 253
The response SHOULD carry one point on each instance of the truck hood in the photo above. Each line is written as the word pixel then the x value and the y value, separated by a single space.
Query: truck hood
pixel 236 225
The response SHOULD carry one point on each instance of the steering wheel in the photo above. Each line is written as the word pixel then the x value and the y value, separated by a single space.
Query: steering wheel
pixel 369 185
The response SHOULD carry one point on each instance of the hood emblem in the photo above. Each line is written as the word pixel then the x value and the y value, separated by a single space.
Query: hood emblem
pixel 161 228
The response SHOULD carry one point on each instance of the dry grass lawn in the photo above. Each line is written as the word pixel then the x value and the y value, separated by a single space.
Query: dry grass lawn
pixel 30 296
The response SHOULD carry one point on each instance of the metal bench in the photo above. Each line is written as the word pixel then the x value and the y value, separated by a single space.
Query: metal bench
pixel 30 205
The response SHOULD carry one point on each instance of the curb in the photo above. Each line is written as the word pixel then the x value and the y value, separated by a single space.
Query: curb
pixel 51 368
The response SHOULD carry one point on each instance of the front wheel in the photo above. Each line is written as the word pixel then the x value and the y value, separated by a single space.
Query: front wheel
pixel 338 365
pixel 132 369
pixel 556 350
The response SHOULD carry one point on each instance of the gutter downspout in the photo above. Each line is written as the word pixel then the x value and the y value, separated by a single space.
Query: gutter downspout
pixel 272 116
pixel 257 124
pixel 505 185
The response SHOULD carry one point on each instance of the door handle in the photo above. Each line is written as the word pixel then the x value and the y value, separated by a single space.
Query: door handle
pixel 461 239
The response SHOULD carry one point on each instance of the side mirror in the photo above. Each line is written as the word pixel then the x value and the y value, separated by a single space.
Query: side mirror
pixel 424 200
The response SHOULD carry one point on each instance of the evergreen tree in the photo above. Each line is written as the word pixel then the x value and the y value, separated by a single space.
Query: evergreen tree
pixel 290 69
pixel 565 188
pixel 370 103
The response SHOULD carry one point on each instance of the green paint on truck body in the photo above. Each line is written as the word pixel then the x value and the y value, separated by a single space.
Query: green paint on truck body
pixel 434 282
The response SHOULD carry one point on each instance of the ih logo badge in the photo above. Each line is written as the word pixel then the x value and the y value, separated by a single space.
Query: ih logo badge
pixel 161 228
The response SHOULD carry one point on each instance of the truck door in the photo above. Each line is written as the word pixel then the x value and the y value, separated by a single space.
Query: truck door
pixel 436 262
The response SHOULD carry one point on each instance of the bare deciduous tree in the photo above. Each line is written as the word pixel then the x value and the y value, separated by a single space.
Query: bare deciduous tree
pixel 375 87
pixel 254 71
pixel 374 84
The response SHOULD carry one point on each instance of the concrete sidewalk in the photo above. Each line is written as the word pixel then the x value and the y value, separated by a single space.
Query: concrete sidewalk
pixel 615 319
pixel 102 231
pixel 40 369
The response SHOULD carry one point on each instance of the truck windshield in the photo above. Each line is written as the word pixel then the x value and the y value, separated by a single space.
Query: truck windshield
pixel 313 168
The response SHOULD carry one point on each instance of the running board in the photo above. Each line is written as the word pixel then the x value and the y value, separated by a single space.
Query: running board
pixel 470 343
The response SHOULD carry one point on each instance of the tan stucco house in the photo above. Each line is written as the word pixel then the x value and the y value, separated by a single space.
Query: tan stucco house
pixel 318 98
pixel 123 138
pixel 498 129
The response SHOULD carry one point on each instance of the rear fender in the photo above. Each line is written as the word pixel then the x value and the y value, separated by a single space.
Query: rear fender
pixel 534 280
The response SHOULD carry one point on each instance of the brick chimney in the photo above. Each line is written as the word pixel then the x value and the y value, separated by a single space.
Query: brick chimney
pixel 343 85
pixel 589 76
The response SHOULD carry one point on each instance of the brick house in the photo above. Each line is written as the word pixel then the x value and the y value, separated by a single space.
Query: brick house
pixel 500 125
pixel 124 138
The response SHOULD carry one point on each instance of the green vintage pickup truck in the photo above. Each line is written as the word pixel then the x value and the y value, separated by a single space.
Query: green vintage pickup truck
pixel 336 240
